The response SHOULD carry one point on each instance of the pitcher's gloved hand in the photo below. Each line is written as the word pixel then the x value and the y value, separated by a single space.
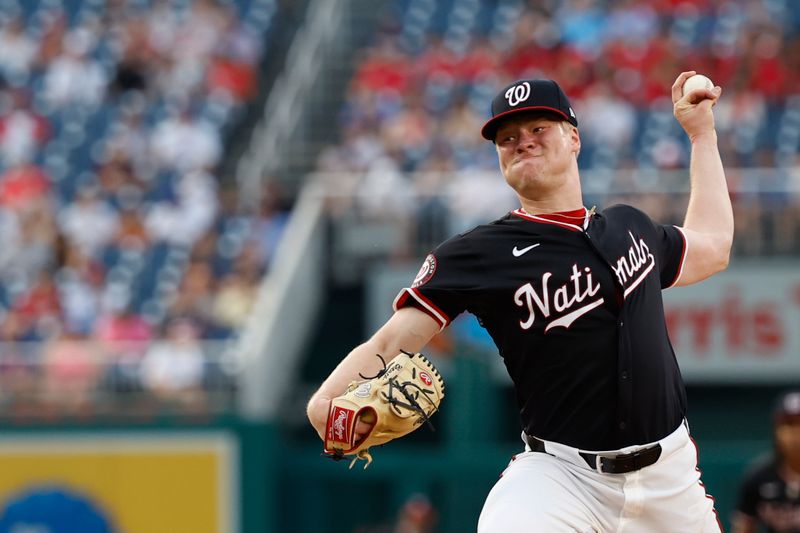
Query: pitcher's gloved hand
pixel 394 403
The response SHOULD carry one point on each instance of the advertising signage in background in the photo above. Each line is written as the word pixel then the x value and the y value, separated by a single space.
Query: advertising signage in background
pixel 124 482
pixel 742 325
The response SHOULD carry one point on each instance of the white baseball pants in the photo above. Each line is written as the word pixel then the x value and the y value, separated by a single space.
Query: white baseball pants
pixel 544 493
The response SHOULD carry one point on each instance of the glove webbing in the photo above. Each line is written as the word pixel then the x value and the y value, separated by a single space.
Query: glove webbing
pixel 412 404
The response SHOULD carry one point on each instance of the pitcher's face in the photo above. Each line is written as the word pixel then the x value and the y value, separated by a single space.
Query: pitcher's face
pixel 536 152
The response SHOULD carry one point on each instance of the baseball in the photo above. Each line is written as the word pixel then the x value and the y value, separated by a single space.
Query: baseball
pixel 698 81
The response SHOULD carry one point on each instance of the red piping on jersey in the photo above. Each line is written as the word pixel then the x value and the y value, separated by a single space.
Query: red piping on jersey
pixel 684 252
pixel 565 219
pixel 709 496
pixel 427 306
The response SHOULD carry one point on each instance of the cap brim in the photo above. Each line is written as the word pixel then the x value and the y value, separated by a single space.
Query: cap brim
pixel 490 128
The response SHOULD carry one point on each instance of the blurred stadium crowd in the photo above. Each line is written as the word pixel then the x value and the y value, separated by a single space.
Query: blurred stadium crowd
pixel 421 93
pixel 115 226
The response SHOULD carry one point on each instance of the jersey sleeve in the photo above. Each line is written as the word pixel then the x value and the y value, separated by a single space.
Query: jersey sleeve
pixel 442 286
pixel 671 247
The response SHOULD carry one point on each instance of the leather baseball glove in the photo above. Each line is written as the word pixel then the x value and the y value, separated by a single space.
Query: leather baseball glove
pixel 399 399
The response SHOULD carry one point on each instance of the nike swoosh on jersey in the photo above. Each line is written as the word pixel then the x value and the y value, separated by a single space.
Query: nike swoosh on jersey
pixel 567 320
pixel 517 252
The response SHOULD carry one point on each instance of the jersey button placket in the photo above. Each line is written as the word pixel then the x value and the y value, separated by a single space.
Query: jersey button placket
pixel 624 376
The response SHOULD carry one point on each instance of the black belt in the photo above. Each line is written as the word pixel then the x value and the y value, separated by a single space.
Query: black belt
pixel 617 464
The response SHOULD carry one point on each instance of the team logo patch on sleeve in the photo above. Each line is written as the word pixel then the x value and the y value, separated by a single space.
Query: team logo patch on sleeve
pixel 425 272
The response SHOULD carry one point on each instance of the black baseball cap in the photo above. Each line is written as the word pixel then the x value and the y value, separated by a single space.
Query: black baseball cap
pixel 788 407
pixel 528 95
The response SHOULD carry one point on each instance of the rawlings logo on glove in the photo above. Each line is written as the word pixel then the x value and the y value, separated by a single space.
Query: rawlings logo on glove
pixel 398 400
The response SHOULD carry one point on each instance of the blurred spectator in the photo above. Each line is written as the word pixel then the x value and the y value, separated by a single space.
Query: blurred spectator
pixel 234 300
pixel 133 70
pixel 161 22
pixel 9 241
pixel 190 216
pixel 19 366
pixel 37 246
pixel 195 296
pixel 384 69
pixel 71 372
pixel 606 118
pixel 631 21
pixel 21 130
pixel 16 328
pixel 417 515
pixel 770 492
pixel 24 187
pixel 232 68
pixel 461 125
pixel 74 78
pixel 128 141
pixel 118 177
pixel 473 197
pixel 268 226
pixel 131 75
pixel 123 337
pixel 41 304
pixel 17 49
pixel 80 285
pixel 183 143
pixel 408 132
pixel 51 43
pixel 187 46
pixel 131 233
pixel 201 31
pixel 582 24
pixel 173 368
pixel 233 78
pixel 239 42
pixel 89 222
pixel 480 61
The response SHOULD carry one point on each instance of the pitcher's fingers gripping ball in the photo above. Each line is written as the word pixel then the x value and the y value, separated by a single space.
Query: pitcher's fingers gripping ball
pixel 700 85
pixel 397 401
pixel 697 81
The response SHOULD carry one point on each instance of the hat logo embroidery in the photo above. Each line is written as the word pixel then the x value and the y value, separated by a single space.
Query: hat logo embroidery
pixel 518 93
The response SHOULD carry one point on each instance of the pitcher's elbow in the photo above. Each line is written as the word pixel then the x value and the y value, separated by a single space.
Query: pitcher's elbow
pixel 724 254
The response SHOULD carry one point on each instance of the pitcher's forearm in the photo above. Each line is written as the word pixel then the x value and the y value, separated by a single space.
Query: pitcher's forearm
pixel 709 210
pixel 361 359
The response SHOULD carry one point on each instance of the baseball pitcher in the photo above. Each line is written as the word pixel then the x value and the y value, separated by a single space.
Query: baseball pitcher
pixel 572 299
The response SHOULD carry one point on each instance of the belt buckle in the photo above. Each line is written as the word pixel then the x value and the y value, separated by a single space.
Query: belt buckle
pixel 628 457
pixel 607 464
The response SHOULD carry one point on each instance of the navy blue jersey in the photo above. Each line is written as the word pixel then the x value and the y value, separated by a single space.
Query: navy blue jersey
pixel 573 303
pixel 767 497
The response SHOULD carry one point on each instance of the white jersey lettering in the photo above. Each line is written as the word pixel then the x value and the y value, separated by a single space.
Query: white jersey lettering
pixel 634 265
pixel 564 298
